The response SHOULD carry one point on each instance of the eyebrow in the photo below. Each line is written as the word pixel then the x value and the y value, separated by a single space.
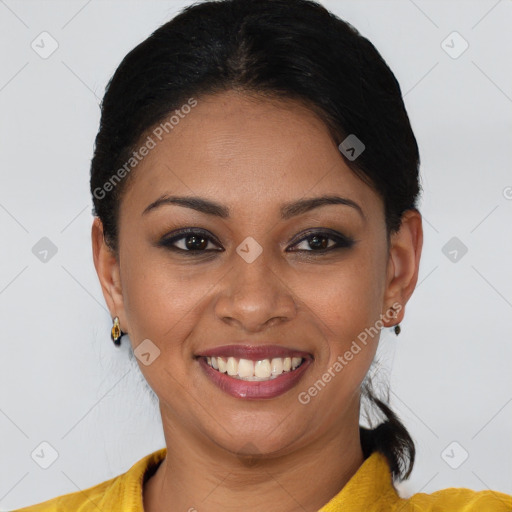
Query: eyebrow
pixel 288 210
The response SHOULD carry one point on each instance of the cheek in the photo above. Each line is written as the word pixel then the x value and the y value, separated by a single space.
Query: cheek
pixel 349 305
pixel 160 302
pixel 165 309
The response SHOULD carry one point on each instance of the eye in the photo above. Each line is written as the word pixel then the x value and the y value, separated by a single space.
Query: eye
pixel 196 241
pixel 324 241
pixel 189 240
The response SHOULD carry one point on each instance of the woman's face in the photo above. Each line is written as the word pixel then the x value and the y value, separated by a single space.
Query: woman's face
pixel 251 277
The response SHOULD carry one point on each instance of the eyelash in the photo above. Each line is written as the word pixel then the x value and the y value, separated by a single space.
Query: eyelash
pixel 341 241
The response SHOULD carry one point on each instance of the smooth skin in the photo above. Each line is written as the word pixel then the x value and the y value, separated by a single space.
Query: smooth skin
pixel 252 155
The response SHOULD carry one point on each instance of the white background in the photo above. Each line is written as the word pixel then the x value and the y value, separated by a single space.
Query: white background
pixel 62 379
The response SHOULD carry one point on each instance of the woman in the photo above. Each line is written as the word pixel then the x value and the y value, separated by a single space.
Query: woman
pixel 255 186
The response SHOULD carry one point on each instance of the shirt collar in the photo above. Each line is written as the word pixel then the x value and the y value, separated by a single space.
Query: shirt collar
pixel 370 483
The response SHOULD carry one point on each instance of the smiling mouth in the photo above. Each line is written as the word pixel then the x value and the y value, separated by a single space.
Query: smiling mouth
pixel 249 370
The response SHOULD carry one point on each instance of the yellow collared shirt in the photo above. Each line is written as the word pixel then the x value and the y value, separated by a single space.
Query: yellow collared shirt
pixel 369 490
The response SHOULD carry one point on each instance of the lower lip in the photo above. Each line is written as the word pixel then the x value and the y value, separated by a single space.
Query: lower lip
pixel 254 390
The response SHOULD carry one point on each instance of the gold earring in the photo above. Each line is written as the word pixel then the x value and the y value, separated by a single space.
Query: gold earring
pixel 116 332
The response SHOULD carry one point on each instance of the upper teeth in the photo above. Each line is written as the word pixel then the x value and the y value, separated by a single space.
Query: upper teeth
pixel 247 369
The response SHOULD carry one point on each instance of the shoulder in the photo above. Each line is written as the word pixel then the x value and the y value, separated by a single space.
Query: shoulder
pixel 121 493
pixel 79 501
pixel 457 500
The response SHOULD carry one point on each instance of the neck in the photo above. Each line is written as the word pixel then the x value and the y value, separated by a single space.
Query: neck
pixel 196 475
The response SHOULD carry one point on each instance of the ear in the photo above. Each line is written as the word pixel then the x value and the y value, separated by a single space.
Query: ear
pixel 107 268
pixel 403 264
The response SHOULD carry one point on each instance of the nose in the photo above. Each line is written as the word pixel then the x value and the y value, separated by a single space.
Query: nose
pixel 254 296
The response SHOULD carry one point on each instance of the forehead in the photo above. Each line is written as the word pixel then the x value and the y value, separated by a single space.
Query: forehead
pixel 241 151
